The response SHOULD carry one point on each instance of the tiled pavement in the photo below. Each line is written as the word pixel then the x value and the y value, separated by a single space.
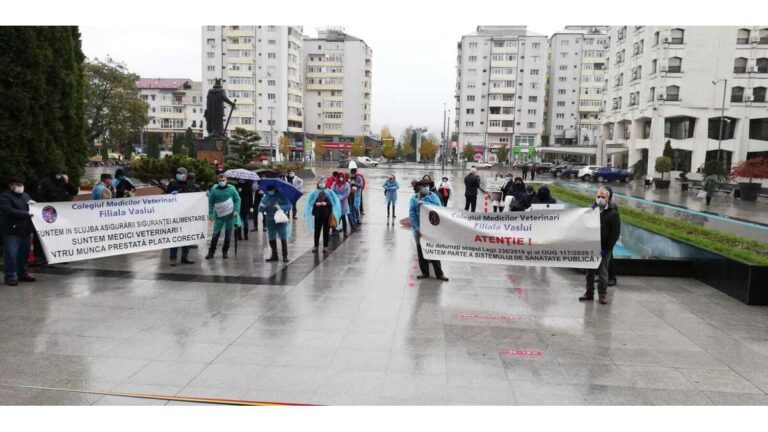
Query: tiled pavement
pixel 350 329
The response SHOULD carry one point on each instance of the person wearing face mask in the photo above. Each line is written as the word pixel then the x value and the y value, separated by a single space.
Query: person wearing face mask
pixel 390 195
pixel 506 192
pixel 497 195
pixel 16 228
pixel 245 191
pixel 342 190
pixel 224 211
pixel 103 189
pixel 271 201
pixel 298 183
pixel 472 185
pixel 359 180
pixel 424 196
pixel 122 185
pixel 543 196
pixel 354 205
pixel 56 187
pixel 181 184
pixel 444 191
pixel 610 230
pixel 321 204
pixel 518 193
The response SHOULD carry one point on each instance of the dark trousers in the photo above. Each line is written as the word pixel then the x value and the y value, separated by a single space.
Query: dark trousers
pixel 362 209
pixel 215 241
pixel 294 209
pixel 533 175
pixel 709 198
pixel 321 225
pixel 471 202
pixel 392 204
pixel 424 263
pixel 444 200
pixel 611 270
pixel 184 253
pixel 525 175
pixel 15 256
pixel 602 277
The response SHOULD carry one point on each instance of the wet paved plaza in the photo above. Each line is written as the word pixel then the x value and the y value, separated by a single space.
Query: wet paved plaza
pixel 357 328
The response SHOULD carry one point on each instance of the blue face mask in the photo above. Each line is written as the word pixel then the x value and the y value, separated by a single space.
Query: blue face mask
pixel 180 177
pixel 271 193
pixel 222 184
pixel 321 186
pixel 424 190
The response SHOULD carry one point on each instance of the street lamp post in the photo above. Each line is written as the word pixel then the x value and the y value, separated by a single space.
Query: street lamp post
pixel 722 116
pixel 271 134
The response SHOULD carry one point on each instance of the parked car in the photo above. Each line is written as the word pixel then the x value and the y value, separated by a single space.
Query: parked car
pixel 557 170
pixel 344 163
pixel 481 165
pixel 545 168
pixel 368 162
pixel 587 172
pixel 571 172
pixel 611 174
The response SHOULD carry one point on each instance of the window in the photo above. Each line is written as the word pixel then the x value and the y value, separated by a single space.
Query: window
pixel 655 38
pixel 559 115
pixel 563 67
pixel 758 94
pixel 740 65
pixel 211 42
pixel 737 94
pixel 470 110
pixel 758 129
pixel 762 65
pixel 272 55
pixel 531 112
pixel 675 65
pixel 622 33
pixel 679 127
pixel 531 125
pixel 763 36
pixel 564 54
pixel 494 123
pixel 654 62
pixel 210 55
pixel 651 94
pixel 536 45
pixel 673 93
pixel 678 36
pixel 470 98
pixel 211 68
pixel 507 110
pixel 271 42
pixel 271 96
pixel 533 98
pixel 471 85
pixel 534 71
pixel 271 83
pixel 473 45
pixel 728 128
pixel 562 79
pixel 472 59
pixel 469 124
pixel 559 127
pixel 742 36
pixel 564 43
pixel 561 103
pixel 561 91
pixel 211 28
pixel 507 123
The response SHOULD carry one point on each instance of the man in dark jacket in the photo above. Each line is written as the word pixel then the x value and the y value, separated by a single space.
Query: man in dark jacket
pixel 245 190
pixel 123 186
pixel 56 188
pixel 16 229
pixel 471 184
pixel 181 184
pixel 610 230
pixel 544 196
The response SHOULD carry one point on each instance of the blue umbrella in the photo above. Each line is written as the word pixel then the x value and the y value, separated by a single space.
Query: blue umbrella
pixel 283 187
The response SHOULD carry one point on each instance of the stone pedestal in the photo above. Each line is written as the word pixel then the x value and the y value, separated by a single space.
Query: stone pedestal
pixel 211 148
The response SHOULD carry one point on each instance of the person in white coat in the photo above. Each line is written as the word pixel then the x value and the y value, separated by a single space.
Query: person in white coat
pixel 298 183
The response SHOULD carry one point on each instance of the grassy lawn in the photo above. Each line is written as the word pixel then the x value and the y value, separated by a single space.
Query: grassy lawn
pixel 738 248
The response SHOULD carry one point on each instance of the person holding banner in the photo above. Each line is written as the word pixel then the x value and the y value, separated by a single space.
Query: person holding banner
pixel 182 184
pixel 273 202
pixel 224 211
pixel 323 209
pixel 610 230
pixel 16 229
pixel 424 196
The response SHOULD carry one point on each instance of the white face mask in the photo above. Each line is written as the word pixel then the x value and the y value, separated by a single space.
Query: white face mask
pixel 601 202
pixel 18 189
pixel 222 184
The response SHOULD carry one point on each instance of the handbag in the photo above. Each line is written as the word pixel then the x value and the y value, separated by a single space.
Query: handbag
pixel 702 194
pixel 280 216
pixel 332 221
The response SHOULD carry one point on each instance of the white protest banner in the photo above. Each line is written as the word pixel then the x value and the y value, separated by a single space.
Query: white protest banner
pixel 79 230
pixel 545 238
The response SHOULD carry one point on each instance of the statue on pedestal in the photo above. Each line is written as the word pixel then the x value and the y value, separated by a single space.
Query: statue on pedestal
pixel 214 110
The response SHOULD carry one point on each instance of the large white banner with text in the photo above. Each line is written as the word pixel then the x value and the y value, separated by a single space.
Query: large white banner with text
pixel 546 238
pixel 79 230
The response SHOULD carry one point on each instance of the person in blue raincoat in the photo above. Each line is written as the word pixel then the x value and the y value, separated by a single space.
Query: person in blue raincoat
pixel 424 196
pixel 341 189
pixel 321 204
pixel 224 211
pixel 270 203
pixel 355 198
pixel 390 194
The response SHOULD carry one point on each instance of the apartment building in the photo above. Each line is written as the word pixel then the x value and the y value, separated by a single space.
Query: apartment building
pixel 673 83
pixel 175 104
pixel 337 90
pixel 262 69
pixel 574 94
pixel 500 90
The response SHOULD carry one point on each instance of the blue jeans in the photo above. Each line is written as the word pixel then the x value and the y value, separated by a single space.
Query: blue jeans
pixel 353 217
pixel 15 255
pixel 184 253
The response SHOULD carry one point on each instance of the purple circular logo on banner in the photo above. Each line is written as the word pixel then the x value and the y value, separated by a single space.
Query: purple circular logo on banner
pixel 434 219
pixel 49 214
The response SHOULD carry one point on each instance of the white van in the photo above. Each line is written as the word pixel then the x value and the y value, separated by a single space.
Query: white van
pixel 366 161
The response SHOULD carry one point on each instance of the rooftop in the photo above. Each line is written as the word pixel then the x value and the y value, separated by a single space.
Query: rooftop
pixel 164 83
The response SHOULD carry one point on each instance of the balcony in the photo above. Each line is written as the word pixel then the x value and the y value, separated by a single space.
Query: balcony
pixel 742 41
pixel 676 41
pixel 674 69
pixel 740 69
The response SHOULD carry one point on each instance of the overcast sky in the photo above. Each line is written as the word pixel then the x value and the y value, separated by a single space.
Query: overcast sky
pixel 414 70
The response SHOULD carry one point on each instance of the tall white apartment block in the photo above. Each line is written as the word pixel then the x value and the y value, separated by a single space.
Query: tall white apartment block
pixel 574 94
pixel 261 68
pixel 337 91
pixel 669 84
pixel 175 104
pixel 500 89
